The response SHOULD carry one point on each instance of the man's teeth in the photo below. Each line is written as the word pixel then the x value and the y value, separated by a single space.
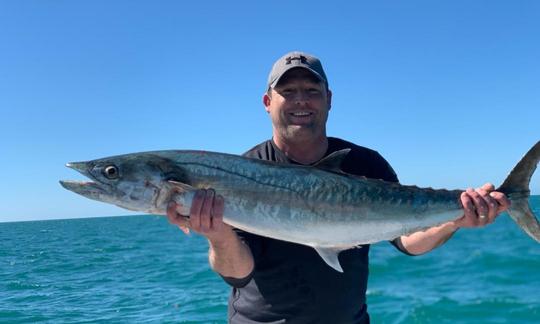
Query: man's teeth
pixel 300 114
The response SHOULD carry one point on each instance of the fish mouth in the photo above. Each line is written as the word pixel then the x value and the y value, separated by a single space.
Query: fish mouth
pixel 85 188
pixel 89 189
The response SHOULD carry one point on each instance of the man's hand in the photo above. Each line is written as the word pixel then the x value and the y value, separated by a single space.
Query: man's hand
pixel 228 255
pixel 481 206
pixel 205 218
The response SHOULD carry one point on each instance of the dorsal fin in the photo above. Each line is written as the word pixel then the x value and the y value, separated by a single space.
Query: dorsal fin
pixel 333 161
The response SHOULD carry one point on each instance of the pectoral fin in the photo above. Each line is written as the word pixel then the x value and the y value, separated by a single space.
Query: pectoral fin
pixel 182 194
pixel 330 256
pixel 181 187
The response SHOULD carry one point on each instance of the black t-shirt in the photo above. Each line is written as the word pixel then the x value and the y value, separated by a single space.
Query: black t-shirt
pixel 290 282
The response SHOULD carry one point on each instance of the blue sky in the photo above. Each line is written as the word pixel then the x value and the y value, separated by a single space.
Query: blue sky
pixel 447 91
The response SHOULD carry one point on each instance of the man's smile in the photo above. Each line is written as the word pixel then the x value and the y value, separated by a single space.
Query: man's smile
pixel 301 114
pixel 301 117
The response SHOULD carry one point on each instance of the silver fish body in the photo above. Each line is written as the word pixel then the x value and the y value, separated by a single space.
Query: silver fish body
pixel 318 206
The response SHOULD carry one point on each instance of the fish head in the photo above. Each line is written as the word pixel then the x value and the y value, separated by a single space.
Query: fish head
pixel 136 182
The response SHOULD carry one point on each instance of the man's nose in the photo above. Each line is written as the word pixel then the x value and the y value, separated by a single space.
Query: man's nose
pixel 301 97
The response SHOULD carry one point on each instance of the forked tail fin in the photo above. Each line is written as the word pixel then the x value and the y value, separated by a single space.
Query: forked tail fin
pixel 516 188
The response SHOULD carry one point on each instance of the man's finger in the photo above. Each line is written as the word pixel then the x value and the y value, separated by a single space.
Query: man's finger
pixel 195 212
pixel 176 218
pixel 206 211
pixel 184 229
pixel 488 187
pixel 469 213
pixel 467 202
pixel 172 214
pixel 490 202
pixel 503 202
pixel 217 219
pixel 481 206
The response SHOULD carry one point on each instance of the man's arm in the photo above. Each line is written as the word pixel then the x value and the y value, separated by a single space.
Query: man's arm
pixel 481 207
pixel 228 255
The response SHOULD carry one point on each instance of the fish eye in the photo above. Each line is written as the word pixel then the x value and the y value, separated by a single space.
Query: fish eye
pixel 111 172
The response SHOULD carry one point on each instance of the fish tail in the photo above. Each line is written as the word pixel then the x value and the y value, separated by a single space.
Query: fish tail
pixel 516 188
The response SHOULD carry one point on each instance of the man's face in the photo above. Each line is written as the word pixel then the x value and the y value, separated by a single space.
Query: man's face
pixel 298 105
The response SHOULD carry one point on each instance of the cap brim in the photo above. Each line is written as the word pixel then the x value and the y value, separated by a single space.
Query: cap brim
pixel 275 82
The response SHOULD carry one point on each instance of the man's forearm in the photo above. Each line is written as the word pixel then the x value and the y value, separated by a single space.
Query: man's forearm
pixel 425 241
pixel 231 257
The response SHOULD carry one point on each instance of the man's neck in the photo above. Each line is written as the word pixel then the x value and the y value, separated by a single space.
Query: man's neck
pixel 303 151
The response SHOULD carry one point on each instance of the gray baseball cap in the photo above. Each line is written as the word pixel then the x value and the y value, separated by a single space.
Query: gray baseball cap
pixel 294 60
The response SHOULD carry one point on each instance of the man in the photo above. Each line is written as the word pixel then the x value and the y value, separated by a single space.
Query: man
pixel 274 281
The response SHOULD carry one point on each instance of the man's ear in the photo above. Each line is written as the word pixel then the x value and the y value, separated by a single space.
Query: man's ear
pixel 329 99
pixel 266 102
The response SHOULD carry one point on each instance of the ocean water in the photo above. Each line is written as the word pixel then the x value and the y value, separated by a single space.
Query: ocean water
pixel 140 269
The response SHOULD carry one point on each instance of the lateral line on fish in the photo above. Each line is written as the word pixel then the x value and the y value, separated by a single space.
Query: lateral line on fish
pixel 241 176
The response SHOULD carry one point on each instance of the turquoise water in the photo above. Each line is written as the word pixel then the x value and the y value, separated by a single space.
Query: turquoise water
pixel 141 269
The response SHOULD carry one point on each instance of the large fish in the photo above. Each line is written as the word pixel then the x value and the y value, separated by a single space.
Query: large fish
pixel 318 206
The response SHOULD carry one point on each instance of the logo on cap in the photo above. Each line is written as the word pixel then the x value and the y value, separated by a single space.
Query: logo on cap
pixel 302 59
